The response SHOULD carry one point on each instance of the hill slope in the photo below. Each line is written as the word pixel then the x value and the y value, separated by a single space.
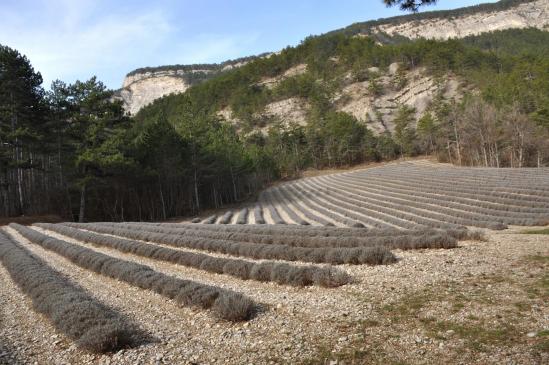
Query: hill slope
pixel 142 86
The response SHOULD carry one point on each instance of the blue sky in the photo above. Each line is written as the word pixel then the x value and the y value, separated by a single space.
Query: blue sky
pixel 75 39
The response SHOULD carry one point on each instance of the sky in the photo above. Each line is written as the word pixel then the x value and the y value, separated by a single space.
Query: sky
pixel 75 39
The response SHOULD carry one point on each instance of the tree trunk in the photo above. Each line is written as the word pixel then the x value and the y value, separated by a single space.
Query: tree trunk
pixel 82 204
pixel 234 186
pixel 485 155
pixel 458 147
pixel 197 200
pixel 20 189
pixel 162 200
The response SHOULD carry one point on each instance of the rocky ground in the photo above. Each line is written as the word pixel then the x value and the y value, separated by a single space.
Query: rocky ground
pixel 483 303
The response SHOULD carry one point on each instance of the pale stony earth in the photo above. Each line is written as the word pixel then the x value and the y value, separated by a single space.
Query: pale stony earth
pixel 533 14
pixel 483 303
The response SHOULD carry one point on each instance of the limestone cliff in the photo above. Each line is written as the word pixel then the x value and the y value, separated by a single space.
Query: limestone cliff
pixel 142 86
pixel 141 89
pixel 534 14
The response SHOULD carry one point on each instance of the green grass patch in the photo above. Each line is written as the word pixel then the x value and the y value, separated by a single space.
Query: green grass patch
pixel 478 337
pixel 368 323
pixel 523 306
pixel 542 346
pixel 410 306
pixel 541 259
pixel 537 231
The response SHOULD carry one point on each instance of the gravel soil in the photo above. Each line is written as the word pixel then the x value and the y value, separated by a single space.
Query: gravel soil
pixel 482 303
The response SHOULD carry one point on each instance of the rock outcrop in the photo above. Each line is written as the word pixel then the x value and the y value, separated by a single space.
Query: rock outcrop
pixel 379 111
pixel 533 14
pixel 141 89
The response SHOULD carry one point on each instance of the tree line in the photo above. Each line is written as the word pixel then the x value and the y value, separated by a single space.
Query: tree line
pixel 72 151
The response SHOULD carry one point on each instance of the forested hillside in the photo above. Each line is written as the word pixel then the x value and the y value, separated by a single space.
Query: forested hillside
pixel 504 74
pixel 72 151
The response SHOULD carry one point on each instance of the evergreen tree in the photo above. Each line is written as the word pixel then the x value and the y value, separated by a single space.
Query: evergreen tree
pixel 22 113
pixel 409 5
pixel 405 134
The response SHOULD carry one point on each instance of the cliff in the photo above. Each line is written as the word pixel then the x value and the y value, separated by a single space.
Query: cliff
pixel 533 14
pixel 142 88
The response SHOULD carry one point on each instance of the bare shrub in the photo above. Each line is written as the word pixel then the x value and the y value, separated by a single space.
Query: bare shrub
pixel 476 235
pixel 232 307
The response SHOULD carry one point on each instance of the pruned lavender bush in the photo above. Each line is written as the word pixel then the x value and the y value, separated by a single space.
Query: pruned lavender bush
pixel 294 230
pixel 406 196
pixel 333 212
pixel 258 214
pixel 266 201
pixel 303 209
pixel 90 324
pixel 226 218
pixel 438 198
pixel 185 292
pixel 438 208
pixel 301 275
pixel 405 240
pixel 210 220
pixel 284 203
pixel 242 217
pixel 407 209
pixel 358 255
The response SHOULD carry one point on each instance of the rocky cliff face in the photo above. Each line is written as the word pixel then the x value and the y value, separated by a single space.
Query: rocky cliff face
pixel 378 111
pixel 530 14
pixel 141 89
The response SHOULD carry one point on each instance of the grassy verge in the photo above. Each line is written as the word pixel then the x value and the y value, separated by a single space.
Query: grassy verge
pixel 537 231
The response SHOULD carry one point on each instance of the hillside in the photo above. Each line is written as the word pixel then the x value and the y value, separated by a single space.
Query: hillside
pixel 142 86
pixel 337 100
